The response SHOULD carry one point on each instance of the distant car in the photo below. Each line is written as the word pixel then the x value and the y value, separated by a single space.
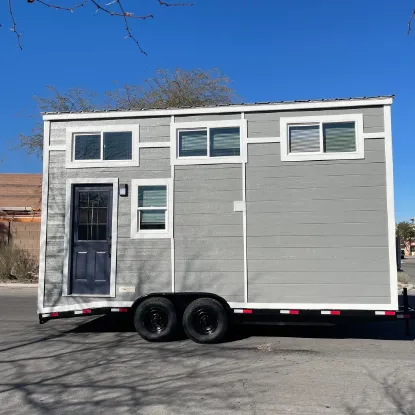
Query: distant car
pixel 402 254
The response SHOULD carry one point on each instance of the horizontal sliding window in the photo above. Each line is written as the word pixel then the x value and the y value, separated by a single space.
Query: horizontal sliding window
pixel 322 138
pixel 209 142
pixel 103 146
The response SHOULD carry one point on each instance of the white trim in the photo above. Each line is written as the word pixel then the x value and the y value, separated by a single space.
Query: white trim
pixel 172 242
pixel 57 148
pixel 155 144
pixel 44 216
pixel 68 233
pixel 244 215
pixel 285 122
pixel 174 136
pixel 393 273
pixel 312 306
pixel 151 234
pixel 334 103
pixel 368 136
pixel 79 164
pixel 87 306
pixel 254 140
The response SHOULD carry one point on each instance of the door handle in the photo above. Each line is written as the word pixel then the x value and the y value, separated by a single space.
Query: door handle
pixel 109 245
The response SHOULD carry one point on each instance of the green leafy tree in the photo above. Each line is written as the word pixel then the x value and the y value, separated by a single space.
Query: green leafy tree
pixel 166 89
pixel 406 233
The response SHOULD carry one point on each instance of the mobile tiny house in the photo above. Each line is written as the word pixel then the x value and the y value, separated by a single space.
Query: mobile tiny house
pixel 204 214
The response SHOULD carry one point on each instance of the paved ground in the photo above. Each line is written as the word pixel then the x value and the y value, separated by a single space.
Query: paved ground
pixel 99 366
pixel 408 266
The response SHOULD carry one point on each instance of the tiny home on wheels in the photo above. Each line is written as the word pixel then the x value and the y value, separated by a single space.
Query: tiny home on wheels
pixel 205 216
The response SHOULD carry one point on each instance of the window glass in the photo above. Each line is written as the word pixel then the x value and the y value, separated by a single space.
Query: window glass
pixel 88 147
pixel 152 219
pixel 118 146
pixel 193 143
pixel 339 137
pixel 224 142
pixel 152 196
pixel 304 139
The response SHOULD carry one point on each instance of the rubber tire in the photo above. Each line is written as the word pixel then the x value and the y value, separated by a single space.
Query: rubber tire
pixel 172 325
pixel 213 306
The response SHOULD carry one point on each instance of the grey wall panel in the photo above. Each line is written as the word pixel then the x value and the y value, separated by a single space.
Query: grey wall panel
pixel 267 124
pixel 151 259
pixel 207 117
pixel 209 242
pixel 317 230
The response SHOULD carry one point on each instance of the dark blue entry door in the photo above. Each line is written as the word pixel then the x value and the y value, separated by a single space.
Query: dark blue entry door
pixel 91 239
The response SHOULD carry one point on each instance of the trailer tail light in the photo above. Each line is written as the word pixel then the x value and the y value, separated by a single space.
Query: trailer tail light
pixel 331 312
pixel 54 314
pixel 290 311
pixel 247 311
pixel 385 313
pixel 87 311
pixel 119 310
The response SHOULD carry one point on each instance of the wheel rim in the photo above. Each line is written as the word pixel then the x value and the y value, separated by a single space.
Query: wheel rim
pixel 205 321
pixel 155 320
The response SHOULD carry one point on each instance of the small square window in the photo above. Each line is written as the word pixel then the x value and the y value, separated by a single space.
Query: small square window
pixel 304 138
pixel 225 142
pixel 193 143
pixel 87 147
pixel 339 137
pixel 118 146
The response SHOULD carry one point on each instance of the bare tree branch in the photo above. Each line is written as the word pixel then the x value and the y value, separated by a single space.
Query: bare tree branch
pixel 54 6
pixel 14 28
pixel 410 22
pixel 123 13
pixel 163 3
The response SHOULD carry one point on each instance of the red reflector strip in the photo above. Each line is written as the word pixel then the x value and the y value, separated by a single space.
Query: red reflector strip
pixel 385 313
pixel 335 312
pixel 289 311
pixel 87 311
pixel 119 310
pixel 54 314
pixel 123 310
pixel 247 311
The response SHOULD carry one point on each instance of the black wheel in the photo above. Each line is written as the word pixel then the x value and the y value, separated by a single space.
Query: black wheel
pixel 205 320
pixel 155 319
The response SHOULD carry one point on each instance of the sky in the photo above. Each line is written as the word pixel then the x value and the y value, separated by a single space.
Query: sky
pixel 272 50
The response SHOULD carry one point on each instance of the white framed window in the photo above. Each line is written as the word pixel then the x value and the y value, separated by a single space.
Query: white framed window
pixel 151 208
pixel 208 142
pixel 106 146
pixel 326 137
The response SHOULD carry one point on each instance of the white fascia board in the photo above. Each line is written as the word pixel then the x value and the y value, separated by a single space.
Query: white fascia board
pixel 220 110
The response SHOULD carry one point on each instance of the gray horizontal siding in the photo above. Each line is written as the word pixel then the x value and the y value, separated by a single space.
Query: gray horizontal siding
pixel 208 234
pixel 267 124
pixel 207 117
pixel 317 230
pixel 144 264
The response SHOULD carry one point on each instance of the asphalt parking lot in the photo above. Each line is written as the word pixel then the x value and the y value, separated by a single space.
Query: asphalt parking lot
pixel 101 366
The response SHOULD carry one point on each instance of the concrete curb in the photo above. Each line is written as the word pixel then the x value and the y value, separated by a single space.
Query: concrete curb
pixel 17 285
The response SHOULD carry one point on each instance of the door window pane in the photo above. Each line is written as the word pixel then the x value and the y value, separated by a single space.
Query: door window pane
pixel 152 219
pixel 118 146
pixel 152 196
pixel 82 232
pixel 193 143
pixel 339 137
pixel 224 142
pixel 304 139
pixel 88 147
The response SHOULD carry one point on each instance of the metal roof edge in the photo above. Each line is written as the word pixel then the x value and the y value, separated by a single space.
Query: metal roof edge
pixel 231 108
